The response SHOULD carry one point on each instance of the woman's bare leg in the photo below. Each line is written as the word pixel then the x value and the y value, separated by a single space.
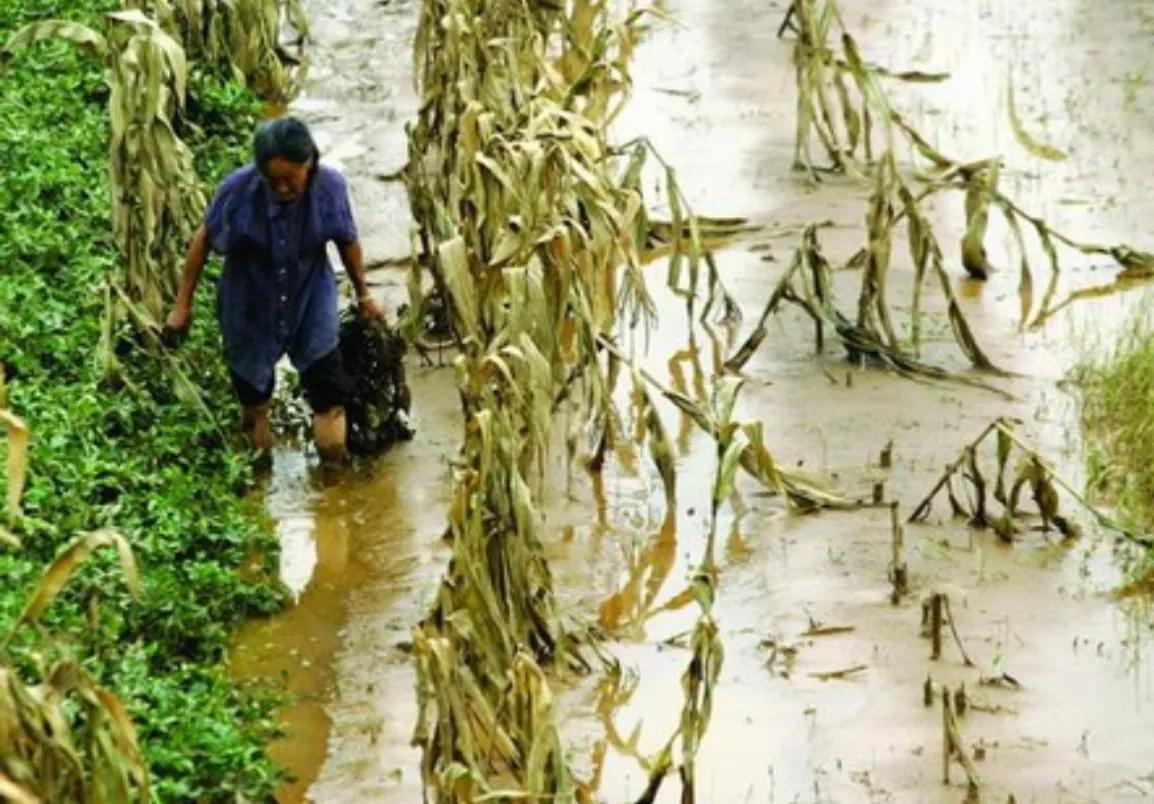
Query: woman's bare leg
pixel 254 420
pixel 330 432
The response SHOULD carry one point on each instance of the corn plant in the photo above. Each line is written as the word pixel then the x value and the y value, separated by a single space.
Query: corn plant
pixel 64 738
pixel 239 39
pixel 698 682
pixel 735 442
pixel 801 492
pixel 155 193
pixel 808 283
pixel 999 503
pixel 843 106
pixel 739 446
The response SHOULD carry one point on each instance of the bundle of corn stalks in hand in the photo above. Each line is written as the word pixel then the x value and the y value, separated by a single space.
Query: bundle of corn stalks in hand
pixel 843 105
pixel 377 408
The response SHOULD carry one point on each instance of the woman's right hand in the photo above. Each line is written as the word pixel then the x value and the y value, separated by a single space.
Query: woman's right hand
pixel 177 324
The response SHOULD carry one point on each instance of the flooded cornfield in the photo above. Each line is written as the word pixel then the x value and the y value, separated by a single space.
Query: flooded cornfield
pixel 786 634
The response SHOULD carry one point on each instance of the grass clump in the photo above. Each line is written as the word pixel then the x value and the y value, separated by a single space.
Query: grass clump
pixel 1117 385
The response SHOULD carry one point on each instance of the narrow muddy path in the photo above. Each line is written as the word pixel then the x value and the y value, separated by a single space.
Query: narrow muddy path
pixel 715 94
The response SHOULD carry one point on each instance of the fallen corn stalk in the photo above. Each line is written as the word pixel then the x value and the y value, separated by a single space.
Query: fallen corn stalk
pixel 975 498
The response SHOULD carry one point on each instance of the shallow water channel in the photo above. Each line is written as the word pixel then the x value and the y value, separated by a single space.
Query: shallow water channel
pixel 715 93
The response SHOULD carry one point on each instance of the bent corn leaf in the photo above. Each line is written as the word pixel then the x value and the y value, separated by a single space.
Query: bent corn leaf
pixel 73 555
pixel 1027 141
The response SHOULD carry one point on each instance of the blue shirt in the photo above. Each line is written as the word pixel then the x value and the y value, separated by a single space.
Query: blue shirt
pixel 278 293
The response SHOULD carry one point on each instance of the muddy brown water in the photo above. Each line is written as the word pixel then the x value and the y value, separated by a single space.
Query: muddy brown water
pixel 716 96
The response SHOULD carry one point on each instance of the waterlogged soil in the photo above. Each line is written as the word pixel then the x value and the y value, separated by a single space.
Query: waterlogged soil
pixel 802 714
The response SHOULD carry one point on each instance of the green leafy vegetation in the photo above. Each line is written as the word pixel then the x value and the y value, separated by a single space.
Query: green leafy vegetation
pixel 130 456
pixel 1118 415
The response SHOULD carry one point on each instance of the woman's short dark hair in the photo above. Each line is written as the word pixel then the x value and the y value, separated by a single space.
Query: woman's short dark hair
pixel 285 137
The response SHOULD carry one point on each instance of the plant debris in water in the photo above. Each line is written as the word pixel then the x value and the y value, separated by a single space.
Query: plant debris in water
pixel 971 493
pixel 377 408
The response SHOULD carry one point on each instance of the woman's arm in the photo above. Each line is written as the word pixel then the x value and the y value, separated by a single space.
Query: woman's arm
pixel 353 258
pixel 180 319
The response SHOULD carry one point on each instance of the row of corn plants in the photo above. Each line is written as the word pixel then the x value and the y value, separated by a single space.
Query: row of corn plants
pixel 101 460
pixel 532 235
pixel 532 228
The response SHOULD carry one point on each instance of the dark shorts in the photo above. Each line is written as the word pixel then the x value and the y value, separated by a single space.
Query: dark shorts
pixel 325 382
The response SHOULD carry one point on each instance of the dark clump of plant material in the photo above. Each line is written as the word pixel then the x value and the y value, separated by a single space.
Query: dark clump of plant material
pixel 377 408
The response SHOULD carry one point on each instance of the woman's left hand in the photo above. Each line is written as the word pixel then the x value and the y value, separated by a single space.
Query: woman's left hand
pixel 370 309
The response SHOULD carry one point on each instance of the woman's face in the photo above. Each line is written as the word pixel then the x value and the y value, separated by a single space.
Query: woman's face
pixel 287 179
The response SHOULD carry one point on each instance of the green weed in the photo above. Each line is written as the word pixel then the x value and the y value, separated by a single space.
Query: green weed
pixel 1118 414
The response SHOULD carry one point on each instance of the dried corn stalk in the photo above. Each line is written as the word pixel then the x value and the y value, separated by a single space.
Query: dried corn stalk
pixel 698 683
pixel 734 441
pixel 808 283
pixel 237 38
pixel 156 195
pixel 972 495
pixel 801 492
pixel 68 739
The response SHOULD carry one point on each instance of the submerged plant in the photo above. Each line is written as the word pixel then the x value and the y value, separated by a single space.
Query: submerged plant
pixel 871 338
pixel 973 496
pixel 700 678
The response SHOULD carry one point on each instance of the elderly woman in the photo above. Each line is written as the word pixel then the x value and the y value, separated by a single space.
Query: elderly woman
pixel 272 221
